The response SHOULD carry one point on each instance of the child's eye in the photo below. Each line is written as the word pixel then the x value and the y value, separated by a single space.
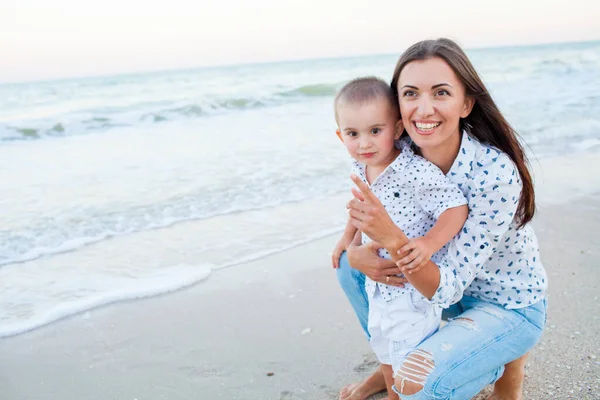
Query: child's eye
pixel 352 134
pixel 375 131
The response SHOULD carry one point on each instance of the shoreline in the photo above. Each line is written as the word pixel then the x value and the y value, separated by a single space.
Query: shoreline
pixel 554 185
pixel 285 315
pixel 279 327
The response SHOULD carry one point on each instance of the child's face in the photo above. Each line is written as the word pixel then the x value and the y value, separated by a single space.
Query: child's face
pixel 369 130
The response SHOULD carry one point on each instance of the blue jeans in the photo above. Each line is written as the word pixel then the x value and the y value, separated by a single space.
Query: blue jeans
pixel 471 351
pixel 352 282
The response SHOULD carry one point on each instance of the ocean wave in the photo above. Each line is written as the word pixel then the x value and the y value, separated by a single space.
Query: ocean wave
pixel 202 110
pixel 10 133
pixel 165 281
pixel 110 117
pixel 33 133
pixel 55 234
pixel 321 90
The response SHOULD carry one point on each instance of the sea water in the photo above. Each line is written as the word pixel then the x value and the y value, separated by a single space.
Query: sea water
pixel 120 187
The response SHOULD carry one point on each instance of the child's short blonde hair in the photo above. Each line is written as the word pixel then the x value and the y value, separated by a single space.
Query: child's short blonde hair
pixel 361 90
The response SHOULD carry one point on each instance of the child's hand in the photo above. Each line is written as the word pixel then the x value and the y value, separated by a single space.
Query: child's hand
pixel 339 248
pixel 416 254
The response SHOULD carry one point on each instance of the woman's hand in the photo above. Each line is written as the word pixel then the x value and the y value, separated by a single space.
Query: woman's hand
pixel 365 258
pixel 368 215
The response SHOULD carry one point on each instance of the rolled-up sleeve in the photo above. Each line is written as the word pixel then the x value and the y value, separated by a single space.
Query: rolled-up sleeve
pixel 438 193
pixel 493 195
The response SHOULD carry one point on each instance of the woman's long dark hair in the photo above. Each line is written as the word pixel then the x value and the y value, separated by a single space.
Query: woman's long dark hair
pixel 485 122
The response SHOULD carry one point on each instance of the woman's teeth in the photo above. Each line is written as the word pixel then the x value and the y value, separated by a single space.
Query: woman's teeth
pixel 426 127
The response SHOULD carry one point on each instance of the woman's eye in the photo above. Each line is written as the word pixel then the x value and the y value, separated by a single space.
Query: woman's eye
pixel 375 131
pixel 409 93
pixel 442 93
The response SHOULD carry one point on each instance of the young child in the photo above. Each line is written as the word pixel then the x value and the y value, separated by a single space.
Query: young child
pixel 415 193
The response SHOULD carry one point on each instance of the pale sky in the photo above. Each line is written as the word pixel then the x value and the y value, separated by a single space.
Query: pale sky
pixel 45 39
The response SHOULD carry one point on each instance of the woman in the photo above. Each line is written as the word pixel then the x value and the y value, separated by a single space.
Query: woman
pixel 492 279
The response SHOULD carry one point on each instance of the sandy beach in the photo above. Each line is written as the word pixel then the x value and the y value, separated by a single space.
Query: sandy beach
pixel 280 327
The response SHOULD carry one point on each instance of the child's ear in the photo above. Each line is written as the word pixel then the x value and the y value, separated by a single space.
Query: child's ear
pixel 339 134
pixel 399 129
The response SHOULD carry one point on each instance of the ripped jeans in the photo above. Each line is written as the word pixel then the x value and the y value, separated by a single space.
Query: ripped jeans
pixel 470 352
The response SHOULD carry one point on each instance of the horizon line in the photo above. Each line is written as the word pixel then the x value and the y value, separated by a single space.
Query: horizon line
pixel 282 61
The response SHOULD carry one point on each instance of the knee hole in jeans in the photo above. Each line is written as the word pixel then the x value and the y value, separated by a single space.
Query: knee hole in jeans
pixel 413 374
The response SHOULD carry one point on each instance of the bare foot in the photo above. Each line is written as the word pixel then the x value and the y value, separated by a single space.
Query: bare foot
pixel 360 391
pixel 510 384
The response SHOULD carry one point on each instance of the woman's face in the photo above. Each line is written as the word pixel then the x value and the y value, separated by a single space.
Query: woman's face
pixel 432 101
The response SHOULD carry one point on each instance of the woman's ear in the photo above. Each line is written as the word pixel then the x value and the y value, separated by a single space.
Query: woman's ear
pixel 468 107
pixel 399 130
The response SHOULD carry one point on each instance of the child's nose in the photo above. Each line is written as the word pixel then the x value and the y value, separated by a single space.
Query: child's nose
pixel 365 142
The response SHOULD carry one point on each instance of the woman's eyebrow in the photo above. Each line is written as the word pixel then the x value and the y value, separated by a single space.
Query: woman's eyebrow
pixel 433 87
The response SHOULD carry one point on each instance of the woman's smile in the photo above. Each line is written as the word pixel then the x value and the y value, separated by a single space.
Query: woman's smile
pixel 426 127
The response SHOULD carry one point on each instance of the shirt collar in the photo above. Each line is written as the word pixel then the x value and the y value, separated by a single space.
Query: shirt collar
pixel 403 159
pixel 406 154
pixel 463 164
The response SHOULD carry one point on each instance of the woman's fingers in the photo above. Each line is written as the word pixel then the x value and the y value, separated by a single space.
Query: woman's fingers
pixel 357 224
pixel 356 215
pixel 393 280
pixel 396 281
pixel 390 270
pixel 364 189
pixel 358 205
pixel 357 194
pixel 361 221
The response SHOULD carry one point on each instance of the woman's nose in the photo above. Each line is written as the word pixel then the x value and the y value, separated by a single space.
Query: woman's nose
pixel 425 107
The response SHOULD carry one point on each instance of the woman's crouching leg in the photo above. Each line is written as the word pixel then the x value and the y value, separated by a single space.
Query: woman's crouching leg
pixel 466 355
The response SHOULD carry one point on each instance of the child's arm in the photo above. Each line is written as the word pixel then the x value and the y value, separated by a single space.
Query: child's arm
pixel 447 226
pixel 418 251
pixel 343 243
